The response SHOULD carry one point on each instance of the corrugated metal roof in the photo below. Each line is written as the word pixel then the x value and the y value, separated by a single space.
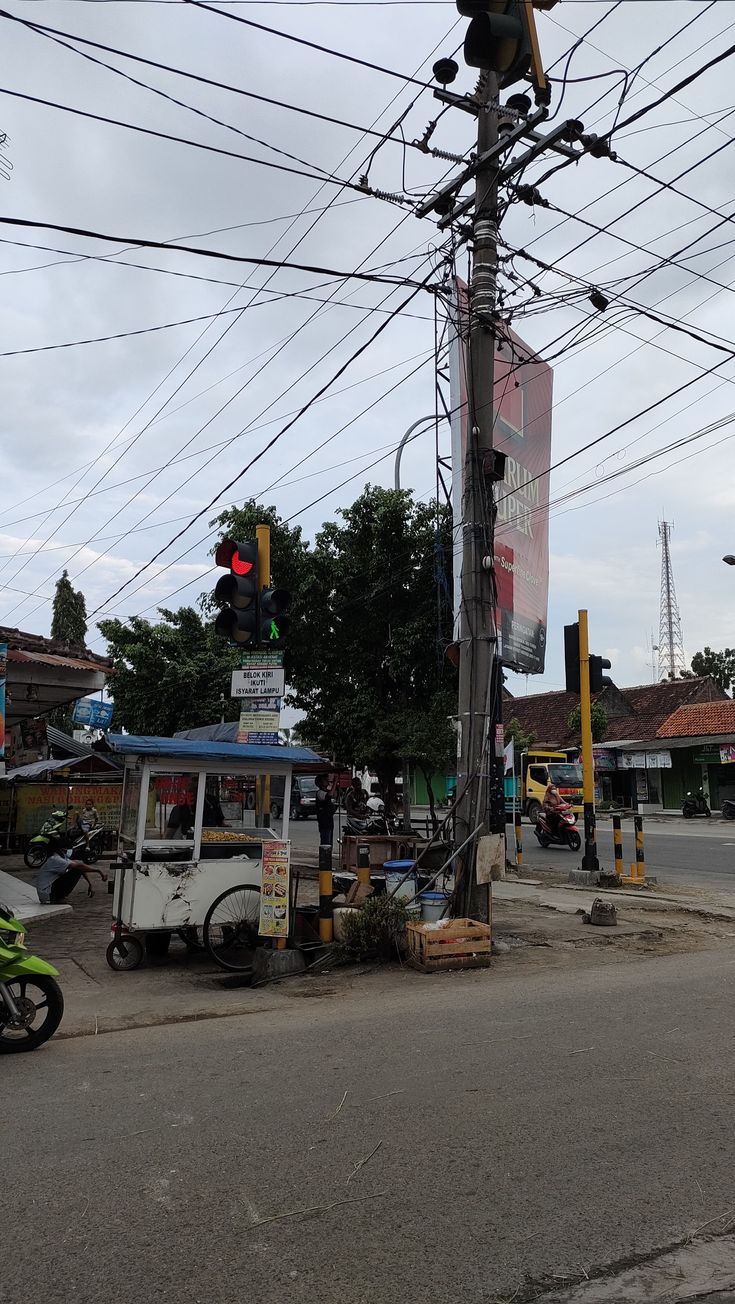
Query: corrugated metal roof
pixel 200 749
pixel 51 659
pixel 37 769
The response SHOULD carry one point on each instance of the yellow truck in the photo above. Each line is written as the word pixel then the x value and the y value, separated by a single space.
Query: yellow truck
pixel 538 769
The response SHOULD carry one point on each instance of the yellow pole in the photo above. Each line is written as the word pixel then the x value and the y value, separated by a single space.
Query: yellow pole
pixel 263 790
pixel 589 860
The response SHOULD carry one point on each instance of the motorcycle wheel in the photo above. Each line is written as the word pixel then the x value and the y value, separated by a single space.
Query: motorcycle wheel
pixel 728 811
pixel 543 840
pixel 574 841
pixel 687 812
pixel 37 995
pixel 35 857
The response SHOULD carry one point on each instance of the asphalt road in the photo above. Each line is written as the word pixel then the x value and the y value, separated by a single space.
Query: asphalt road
pixel 531 1123
pixel 700 854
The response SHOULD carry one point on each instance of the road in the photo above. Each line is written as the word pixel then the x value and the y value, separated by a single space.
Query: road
pixel 472 1133
pixel 698 854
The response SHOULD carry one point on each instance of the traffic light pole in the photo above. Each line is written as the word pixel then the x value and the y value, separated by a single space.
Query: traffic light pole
pixel 589 860
pixel 480 771
pixel 263 787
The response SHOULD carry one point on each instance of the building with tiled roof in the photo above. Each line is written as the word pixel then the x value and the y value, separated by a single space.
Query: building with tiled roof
pixel 660 741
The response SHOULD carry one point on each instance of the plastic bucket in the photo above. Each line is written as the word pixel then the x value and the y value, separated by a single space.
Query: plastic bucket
pixel 395 872
pixel 433 906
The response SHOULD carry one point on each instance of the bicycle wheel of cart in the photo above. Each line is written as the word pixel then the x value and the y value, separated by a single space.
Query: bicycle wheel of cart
pixel 231 927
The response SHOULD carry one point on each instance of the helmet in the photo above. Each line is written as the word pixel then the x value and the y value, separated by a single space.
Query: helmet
pixel 58 814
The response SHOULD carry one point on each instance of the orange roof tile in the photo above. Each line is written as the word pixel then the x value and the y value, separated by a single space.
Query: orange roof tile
pixel 700 719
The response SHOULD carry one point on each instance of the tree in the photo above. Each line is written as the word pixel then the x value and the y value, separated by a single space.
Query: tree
pixel 720 666
pixel 599 721
pixel 69 618
pixel 516 734
pixel 368 668
pixel 169 676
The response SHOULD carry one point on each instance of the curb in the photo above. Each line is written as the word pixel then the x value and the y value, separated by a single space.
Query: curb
pixel 130 1023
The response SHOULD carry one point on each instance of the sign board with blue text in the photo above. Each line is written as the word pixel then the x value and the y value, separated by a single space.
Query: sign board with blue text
pixel 92 712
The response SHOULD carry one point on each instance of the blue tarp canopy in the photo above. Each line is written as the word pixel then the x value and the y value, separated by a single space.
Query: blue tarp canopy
pixel 197 749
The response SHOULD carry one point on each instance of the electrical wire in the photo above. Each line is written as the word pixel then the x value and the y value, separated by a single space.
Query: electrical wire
pixel 63 37
pixel 311 45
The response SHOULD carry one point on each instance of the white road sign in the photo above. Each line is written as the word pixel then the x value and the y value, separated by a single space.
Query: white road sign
pixel 258 681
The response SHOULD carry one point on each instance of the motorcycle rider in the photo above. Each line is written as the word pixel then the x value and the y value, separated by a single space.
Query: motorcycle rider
pixel 356 800
pixel 552 805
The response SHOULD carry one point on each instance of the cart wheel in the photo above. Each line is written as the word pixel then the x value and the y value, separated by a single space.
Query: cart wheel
pixel 124 953
pixel 275 810
pixel 231 927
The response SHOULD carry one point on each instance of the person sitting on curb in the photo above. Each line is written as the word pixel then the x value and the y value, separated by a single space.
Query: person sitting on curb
pixel 59 875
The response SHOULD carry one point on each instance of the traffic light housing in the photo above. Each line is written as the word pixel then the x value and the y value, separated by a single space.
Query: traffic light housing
pixel 597 665
pixel 238 621
pixel 499 38
pixel 274 623
pixel 597 679
pixel 571 657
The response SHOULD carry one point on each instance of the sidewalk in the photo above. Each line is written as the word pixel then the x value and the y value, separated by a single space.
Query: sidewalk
pixel 532 924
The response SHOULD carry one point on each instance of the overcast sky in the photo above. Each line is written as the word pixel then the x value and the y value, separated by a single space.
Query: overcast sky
pixel 186 408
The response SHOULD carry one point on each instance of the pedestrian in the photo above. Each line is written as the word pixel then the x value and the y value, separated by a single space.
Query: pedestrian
pixel 356 800
pixel 87 819
pixel 59 875
pixel 325 809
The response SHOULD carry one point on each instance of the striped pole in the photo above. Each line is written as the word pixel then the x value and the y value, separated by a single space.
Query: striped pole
pixel 519 838
pixel 326 919
pixel 363 863
pixel 618 841
pixel 640 857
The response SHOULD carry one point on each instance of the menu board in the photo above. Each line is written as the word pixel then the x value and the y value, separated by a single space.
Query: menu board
pixel 274 889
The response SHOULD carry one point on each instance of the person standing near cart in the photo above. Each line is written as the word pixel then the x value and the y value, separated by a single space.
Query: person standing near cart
pixel 325 809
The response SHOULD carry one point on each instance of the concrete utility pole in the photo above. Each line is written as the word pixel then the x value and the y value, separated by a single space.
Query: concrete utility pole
pixel 480 674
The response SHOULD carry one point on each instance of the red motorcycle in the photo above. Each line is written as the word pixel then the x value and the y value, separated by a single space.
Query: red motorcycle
pixel 558 829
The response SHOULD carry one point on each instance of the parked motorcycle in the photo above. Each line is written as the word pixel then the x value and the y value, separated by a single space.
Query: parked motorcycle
pixel 559 832
pixel 695 804
pixel 31 1001
pixel 38 850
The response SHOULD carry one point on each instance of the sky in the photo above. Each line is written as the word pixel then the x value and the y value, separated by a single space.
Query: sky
pixel 111 449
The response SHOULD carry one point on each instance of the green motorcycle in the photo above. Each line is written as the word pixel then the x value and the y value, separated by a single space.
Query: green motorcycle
pixel 31 1001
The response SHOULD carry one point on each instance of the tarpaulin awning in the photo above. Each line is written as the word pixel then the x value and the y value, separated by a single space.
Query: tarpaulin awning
pixel 197 749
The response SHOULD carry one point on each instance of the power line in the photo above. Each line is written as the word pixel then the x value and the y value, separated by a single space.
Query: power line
pixel 320 175
pixel 311 45
pixel 256 458
pixel 63 37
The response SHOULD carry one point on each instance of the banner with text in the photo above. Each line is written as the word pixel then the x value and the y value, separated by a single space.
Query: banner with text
pixel 274 889
pixel 3 674
pixel 522 430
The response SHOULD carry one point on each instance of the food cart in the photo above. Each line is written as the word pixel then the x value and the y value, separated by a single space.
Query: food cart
pixel 190 855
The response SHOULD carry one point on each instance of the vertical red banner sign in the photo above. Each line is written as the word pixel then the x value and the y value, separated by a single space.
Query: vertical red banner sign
pixel 523 401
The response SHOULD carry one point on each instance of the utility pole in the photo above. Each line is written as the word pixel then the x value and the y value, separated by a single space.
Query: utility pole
pixel 480 676
pixel 589 860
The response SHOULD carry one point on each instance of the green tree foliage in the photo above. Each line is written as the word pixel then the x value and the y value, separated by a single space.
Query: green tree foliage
pixel 720 666
pixel 371 677
pixel 169 676
pixel 599 721
pixel 516 734
pixel 364 660
pixel 69 618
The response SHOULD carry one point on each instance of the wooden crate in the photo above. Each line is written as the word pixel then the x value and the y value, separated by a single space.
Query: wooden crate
pixel 449 944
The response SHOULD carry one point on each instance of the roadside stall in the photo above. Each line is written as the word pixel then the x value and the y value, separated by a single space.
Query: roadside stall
pixel 191 859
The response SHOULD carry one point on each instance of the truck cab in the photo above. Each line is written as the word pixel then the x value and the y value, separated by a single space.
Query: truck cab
pixel 539 768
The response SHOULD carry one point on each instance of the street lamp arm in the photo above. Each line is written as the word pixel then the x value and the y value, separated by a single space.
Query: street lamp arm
pixel 409 435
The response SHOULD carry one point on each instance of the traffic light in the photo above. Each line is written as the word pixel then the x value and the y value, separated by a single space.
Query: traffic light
pixel 597 679
pixel 274 622
pixel 238 620
pixel 571 657
pixel 500 37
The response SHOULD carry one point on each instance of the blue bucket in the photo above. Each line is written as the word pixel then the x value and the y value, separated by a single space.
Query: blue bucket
pixel 433 906
pixel 396 871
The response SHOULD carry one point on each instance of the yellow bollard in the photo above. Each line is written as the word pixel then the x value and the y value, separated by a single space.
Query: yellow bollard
pixel 326 915
pixel 519 839
pixel 618 841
